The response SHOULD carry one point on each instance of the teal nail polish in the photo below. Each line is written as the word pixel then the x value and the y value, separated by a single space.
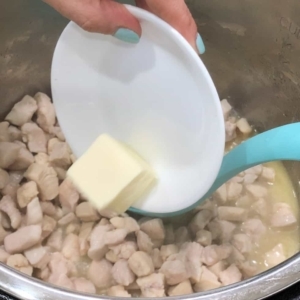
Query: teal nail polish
pixel 127 35
pixel 200 44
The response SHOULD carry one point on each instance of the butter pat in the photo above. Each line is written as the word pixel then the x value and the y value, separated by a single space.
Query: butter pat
pixel 111 175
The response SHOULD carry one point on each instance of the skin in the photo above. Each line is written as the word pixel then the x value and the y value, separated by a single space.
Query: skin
pixel 107 16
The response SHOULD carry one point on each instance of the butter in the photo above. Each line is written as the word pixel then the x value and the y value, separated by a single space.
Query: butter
pixel 111 175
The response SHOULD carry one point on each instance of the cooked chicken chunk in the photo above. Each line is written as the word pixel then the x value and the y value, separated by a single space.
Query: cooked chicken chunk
pixel 231 275
pixel 168 250
pixel 34 212
pixel 254 228
pixel 229 213
pixel 118 291
pixel 152 285
pixel 84 286
pixel 122 274
pixel 183 288
pixel 115 237
pixel 55 240
pixel 4 178
pixel 200 220
pixel 8 206
pixel 66 219
pixel 70 247
pixel 275 256
pixel 35 138
pixel 38 256
pixel 86 212
pixel 282 215
pixel 208 281
pixel 204 237
pixel 154 228
pixel 242 242
pixel 103 279
pixel 125 250
pixel 230 131
pixel 182 235
pixel 48 225
pixel 144 242
pixel 22 161
pixel 227 108
pixel 156 258
pixel 68 195
pixel 59 156
pixel 141 264
pixel 268 174
pixel 128 223
pixel 8 154
pixel 257 191
pixel 221 194
pixel 174 271
pixel 20 263
pixel 243 126
pixel 234 190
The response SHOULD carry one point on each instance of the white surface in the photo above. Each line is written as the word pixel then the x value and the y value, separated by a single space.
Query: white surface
pixel 156 96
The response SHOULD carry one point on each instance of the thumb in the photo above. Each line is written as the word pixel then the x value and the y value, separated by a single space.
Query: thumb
pixel 103 16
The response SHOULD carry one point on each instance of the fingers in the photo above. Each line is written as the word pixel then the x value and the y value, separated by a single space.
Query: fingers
pixel 104 16
pixel 177 14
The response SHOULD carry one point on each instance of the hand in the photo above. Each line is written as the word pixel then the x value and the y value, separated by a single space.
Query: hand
pixel 110 17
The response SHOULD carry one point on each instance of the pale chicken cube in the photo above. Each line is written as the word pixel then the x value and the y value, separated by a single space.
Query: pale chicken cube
pixel 48 208
pixel 67 219
pixel 275 256
pixel 250 178
pixel 230 213
pixel 242 242
pixel 213 254
pixel 45 112
pixel 58 264
pixel 35 138
pixel 219 267
pixel 208 281
pixel 244 201
pixel 38 256
pixel 55 240
pixel 130 224
pixel 4 178
pixel 86 212
pixel 26 193
pixel 234 191
pixel 34 213
pixel 282 215
pixel 122 274
pixel 168 250
pixel 226 230
pixel 20 263
pixel 8 154
pixel 8 206
pixel 254 228
pixel 111 256
pixel 221 194
pixel 125 250
pixel 42 274
pixel 243 126
pixel 23 239
pixel 84 286
pixel 3 255
pixel 182 235
pixel 61 173
pixel 22 111
pixel 115 237
pixel 22 161
pixel 84 234
pixel 56 130
pixel 4 220
pixel 226 108
pixel 154 228
pixel 200 220
pixel 204 237
pixel 230 131
pixel 73 227
pixel 68 195
pixel 248 268
pixel 118 291
pixel 231 275
pixel 60 155
pixel 261 207
pixel 48 225
pixel 156 258
pixel 175 271
pixel 15 134
pixel 170 234
pixel 257 191
pixel 100 274
pixel 255 170
pixel 183 288
pixel 61 280
pixel 236 256
pixel 4 132
pixel 143 241
pixel 152 285
pixel 70 247
pixel 268 174
pixel 141 264
pixel 42 159
pixel 214 228
pixel 11 190
pixel 108 213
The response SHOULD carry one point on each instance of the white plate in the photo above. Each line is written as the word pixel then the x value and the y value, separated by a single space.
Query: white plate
pixel 156 96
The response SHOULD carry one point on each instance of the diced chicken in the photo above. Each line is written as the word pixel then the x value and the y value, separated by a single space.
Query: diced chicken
pixel 144 242
pixel 8 206
pixel 229 213
pixel 118 291
pixel 213 254
pixel 4 178
pixel 23 160
pixel 38 256
pixel 154 228
pixel 226 108
pixel 86 212
pixel 61 280
pixel 48 208
pixel 3 233
pixel 254 228
pixel 169 234
pixel 26 193
pixel 275 256
pixel 175 271
pixel 45 112
pixel 61 173
pixel 261 207
pixel 243 126
pixel 83 285
pixel 236 256
pixel 141 264
pixel 100 274
pixel 8 154
pixel 183 288
pixel 128 223
pixel 58 264
pixel 15 134
pixel 234 191
pixel 3 255
pixel 182 235
pixel 56 130
pixel 156 258
pixel 20 263
pixel 4 132
pixel 282 215
pixel 34 212
pixel 46 180
pixel 115 237
pixel 70 247
pixel 55 240
pixel 214 228
pixel 23 239
pixel 60 156
pixel 167 251
pixel 208 281
pixel 108 213
pixel 221 194
pixel 42 274
pixel 250 178
pixel 244 201
pixel 152 285
pixel 84 234
pixel 73 227
pixel 230 131
pixel 231 275
pixel 68 195
pixel 242 242
pixel 200 220
pixel 204 237
pixel 48 225
pixel 268 174
pixel 66 219
pixel 111 256
pixel 226 230
pixel 257 191
pixel 248 269
pixel 255 170
pixel 35 138
pixel 237 179
pixel 125 250
pixel 16 177
pixel 42 159
pixel 122 274
pixel 218 267
pixel 22 111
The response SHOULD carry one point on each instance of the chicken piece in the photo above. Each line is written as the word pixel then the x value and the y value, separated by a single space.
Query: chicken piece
pixel 68 195
pixel 156 258
pixel 34 212
pixel 175 271
pixel 84 234
pixel 144 242
pixel 56 130
pixel 70 247
pixel 16 177
pixel 42 274
pixel 20 263
pixel 231 275
pixel 268 174
pixel 255 170
pixel 60 156
pixel 236 256
pixel 250 178
pixel 183 288
pixel 230 131
pixel 66 219
pixel 125 250
pixel 4 178
pixel 141 264
pixel 38 256
pixel 23 239
pixel 226 108
pixel 46 180
pixel 200 220
pixel 204 237
pixel 55 240
pixel 275 256
pixel 61 280
pixel 83 285
pixel 35 138
pixel 73 227
pixel 86 212
pixel 234 191
pixel 98 247
pixel 122 274
pixel 169 234
pixel 3 255
pixel 58 264
pixel 154 228
pixel 214 228
pixel 3 233
pixel 118 291
pixel 104 278
pixel 8 206
pixel 61 173
pixel 244 201
pixel 4 132
pixel 111 256
pixel 226 230
pixel 59 213
pixel 26 193
pixel 129 223
pixel 221 194
pixel 48 225
pixel 23 160
pixel 108 213
pixel 213 254
pixel 219 267
pixel 243 126
pixel 4 220
pixel 167 251
pixel 48 208
pixel 282 215
pixel 8 154
pixel 45 112
pixel 229 213
pixel 242 242
pixel 248 269
pixel 152 285
pixel 257 191
pixel 182 235
pixel 22 111
pixel 208 281
pixel 115 237
pixel 254 228
pixel 157 243
pixel 42 159
pixel 261 207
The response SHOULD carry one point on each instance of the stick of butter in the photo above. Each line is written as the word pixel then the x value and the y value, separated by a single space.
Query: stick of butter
pixel 111 175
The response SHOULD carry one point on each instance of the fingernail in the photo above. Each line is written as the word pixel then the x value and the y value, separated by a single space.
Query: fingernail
pixel 127 35
pixel 200 44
